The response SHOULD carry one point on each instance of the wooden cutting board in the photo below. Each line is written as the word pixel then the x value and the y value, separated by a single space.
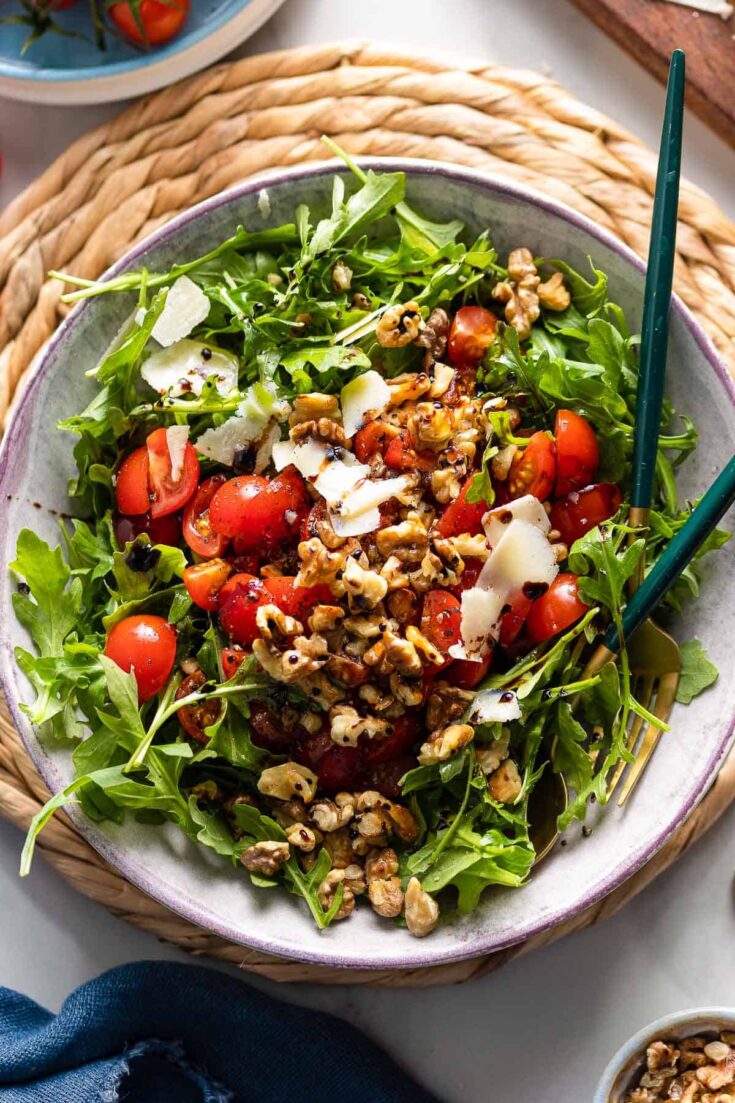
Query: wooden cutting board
pixel 651 29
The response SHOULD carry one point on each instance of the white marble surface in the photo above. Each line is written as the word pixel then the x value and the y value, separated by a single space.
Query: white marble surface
pixel 543 1028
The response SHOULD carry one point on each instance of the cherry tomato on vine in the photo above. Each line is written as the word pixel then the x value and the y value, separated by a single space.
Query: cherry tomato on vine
pixel 583 509
pixel 198 532
pixel 146 645
pixel 260 511
pixel 472 333
pixel 156 23
pixel 204 581
pixel 533 470
pixel 577 452
pixel 555 610
pixel 462 516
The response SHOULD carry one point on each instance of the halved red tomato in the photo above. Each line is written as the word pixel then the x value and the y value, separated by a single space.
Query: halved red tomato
pixel 556 610
pixel 513 620
pixel 583 509
pixel 260 511
pixel 441 618
pixel 198 532
pixel 131 485
pixel 146 645
pixel 202 714
pixel 465 674
pixel 533 470
pixel 401 455
pixel 268 729
pixel 204 581
pixel 472 333
pixel 577 452
pixel 373 439
pixel 168 493
pixel 462 516
pixel 468 578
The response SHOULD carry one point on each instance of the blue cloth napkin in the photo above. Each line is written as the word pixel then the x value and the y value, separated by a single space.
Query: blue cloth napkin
pixel 158 1032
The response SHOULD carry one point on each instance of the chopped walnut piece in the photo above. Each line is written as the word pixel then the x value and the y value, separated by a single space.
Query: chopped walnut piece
pixel 347 726
pixel 408 387
pixel 381 864
pixel 265 857
pixel 505 783
pixel 341 276
pixel 520 292
pixel 386 896
pixel 446 704
pixel 273 623
pixel 288 780
pixel 402 655
pixel 399 325
pixel 421 910
pixel 553 294
pixel 323 428
pixel 490 755
pixel 328 889
pixel 331 815
pixel 432 654
pixel 301 837
pixel 310 407
pixel 435 333
pixel 442 744
pixel 408 541
pixel 364 588
pixel 325 618
pixel 431 425
pixel 500 463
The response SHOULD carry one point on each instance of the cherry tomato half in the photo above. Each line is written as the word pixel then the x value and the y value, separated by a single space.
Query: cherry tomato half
pixel 162 530
pixel 533 470
pixel 373 439
pixel 239 601
pixel 260 511
pixel 158 22
pixel 131 485
pixel 462 516
pixel 146 645
pixel 198 532
pixel 577 452
pixel 441 619
pixel 296 601
pixel 465 674
pixel 583 509
pixel 204 581
pixel 232 659
pixel 513 620
pixel 469 576
pixel 169 494
pixel 202 714
pixel 472 333
pixel 401 455
pixel 406 732
pixel 555 610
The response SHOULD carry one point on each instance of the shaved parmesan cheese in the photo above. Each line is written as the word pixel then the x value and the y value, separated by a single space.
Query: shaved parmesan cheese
pixel 522 557
pixel 526 508
pixel 183 368
pixel 494 706
pixel 265 449
pixel 362 399
pixel 264 202
pixel 243 429
pixel 186 306
pixel 308 458
pixel 358 525
pixel 176 438
pixel 480 623
pixel 369 494
pixel 337 479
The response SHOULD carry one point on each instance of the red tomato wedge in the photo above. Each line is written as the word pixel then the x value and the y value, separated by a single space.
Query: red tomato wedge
pixel 513 620
pixel 472 333
pixel 204 581
pixel 583 509
pixel 400 455
pixel 198 532
pixel 146 645
pixel 533 470
pixel 169 494
pixel 297 601
pixel 232 659
pixel 260 511
pixel 556 610
pixel 373 439
pixel 200 715
pixel 577 452
pixel 462 516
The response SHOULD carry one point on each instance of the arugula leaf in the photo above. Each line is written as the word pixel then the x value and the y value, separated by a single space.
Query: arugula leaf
pixel 697 672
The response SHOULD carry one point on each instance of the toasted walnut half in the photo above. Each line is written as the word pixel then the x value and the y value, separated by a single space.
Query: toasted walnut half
pixel 265 857
pixel 505 783
pixel 444 743
pixel 520 292
pixel 553 294
pixel 399 325
pixel 347 726
pixel 421 910
pixel 288 780
pixel 329 887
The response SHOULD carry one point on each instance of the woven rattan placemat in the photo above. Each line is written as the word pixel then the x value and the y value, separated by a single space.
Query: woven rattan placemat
pixel 170 150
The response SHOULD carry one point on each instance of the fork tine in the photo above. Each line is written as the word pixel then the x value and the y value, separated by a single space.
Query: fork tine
pixel 635 729
pixel 667 687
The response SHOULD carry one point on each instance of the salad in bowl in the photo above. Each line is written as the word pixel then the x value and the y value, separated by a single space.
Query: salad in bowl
pixel 349 512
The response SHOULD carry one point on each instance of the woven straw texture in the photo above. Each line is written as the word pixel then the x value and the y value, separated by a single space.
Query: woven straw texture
pixel 168 151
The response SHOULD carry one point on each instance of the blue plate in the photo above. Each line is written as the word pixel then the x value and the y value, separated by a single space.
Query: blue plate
pixel 58 68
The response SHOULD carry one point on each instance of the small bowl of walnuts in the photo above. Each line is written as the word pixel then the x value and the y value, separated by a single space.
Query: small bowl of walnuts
pixel 688 1057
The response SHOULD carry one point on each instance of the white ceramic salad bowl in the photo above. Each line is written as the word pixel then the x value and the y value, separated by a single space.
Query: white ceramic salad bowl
pixel 36 461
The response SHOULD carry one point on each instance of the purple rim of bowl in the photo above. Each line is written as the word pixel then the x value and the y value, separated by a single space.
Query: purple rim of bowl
pixel 177 901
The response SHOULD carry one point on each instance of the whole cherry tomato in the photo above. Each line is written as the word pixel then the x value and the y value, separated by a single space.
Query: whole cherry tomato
pixel 162 530
pixel 583 509
pixel 555 610
pixel 154 23
pixel 373 439
pixel 239 600
pixel 260 511
pixel 533 470
pixel 462 516
pixel 202 714
pixel 577 452
pixel 198 532
pixel 204 581
pixel 441 619
pixel 401 455
pixel 146 645
pixel 472 333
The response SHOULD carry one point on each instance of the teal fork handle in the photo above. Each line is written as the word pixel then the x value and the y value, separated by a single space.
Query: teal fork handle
pixel 657 298
pixel 678 553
